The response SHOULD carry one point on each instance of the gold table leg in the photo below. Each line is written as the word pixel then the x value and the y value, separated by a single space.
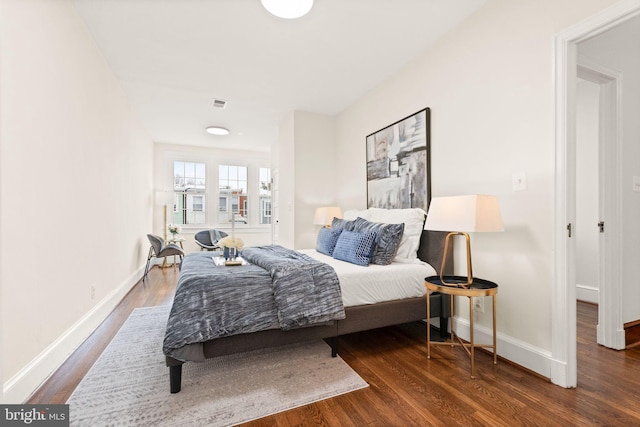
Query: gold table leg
pixel 495 355
pixel 429 325
pixel 472 346
pixel 489 289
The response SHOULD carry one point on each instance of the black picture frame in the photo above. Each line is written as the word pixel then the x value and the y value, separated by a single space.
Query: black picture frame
pixel 399 164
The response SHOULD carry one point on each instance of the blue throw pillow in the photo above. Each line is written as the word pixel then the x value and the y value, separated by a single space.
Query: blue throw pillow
pixel 354 247
pixel 387 242
pixel 327 239
pixel 342 223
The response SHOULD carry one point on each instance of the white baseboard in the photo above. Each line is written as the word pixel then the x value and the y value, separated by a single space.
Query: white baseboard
pixel 617 339
pixel 512 349
pixel 560 374
pixel 24 383
pixel 587 293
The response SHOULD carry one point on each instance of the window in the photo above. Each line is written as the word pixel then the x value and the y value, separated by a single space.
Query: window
pixel 265 195
pixel 198 203
pixel 189 188
pixel 232 188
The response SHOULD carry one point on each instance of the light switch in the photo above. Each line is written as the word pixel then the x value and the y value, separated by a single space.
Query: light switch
pixel 519 181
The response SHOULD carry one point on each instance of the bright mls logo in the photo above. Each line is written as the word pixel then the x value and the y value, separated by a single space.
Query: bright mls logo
pixel 34 415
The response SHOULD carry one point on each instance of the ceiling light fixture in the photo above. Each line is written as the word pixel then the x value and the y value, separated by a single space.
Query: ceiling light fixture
pixel 217 130
pixel 288 9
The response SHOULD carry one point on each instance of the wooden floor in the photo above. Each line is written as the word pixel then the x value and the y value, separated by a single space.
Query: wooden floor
pixel 405 388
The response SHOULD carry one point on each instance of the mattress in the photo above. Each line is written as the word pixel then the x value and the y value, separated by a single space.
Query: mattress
pixel 377 283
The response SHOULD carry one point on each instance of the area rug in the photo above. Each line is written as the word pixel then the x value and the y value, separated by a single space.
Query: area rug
pixel 129 383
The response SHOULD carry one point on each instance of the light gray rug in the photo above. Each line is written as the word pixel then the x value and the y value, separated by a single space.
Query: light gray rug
pixel 129 383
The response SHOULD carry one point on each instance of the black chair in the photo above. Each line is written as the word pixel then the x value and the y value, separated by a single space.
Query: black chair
pixel 159 250
pixel 208 239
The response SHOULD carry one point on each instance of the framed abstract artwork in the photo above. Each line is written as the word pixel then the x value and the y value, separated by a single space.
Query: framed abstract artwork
pixel 398 164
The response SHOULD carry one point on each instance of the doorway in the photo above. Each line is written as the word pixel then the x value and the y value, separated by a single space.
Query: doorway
pixel 587 191
pixel 598 200
pixel 563 369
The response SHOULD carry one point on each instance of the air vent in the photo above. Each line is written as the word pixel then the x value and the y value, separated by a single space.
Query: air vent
pixel 219 103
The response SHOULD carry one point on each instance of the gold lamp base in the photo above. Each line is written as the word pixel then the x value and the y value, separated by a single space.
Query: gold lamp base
pixel 444 260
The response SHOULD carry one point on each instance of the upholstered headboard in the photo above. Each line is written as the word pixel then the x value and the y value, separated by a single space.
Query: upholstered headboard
pixel 431 250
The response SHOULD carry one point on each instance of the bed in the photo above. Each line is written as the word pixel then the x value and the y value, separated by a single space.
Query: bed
pixel 367 299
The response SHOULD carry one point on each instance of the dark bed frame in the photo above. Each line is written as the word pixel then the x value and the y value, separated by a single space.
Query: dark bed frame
pixel 358 318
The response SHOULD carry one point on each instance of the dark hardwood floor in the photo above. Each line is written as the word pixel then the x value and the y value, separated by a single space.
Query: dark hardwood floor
pixel 405 388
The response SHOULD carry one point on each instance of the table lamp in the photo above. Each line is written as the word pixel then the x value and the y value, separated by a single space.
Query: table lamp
pixel 460 215
pixel 324 215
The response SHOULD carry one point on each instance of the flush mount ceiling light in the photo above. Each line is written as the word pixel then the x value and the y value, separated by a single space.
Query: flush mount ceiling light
pixel 217 130
pixel 288 9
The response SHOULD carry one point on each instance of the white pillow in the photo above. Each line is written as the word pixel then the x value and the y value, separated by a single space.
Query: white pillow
pixel 352 214
pixel 413 220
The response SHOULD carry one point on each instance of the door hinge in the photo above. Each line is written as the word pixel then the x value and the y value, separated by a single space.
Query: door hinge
pixel 601 226
pixel 569 230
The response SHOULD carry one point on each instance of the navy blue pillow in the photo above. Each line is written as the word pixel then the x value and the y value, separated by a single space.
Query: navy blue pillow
pixel 355 247
pixel 387 242
pixel 327 239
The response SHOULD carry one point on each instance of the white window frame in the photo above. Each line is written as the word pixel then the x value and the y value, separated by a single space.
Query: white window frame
pixel 264 198
pixel 186 214
pixel 233 185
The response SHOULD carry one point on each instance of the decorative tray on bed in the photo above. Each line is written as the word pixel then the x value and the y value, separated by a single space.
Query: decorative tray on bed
pixel 221 262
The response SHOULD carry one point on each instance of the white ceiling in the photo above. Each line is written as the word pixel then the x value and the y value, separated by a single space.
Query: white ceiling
pixel 173 57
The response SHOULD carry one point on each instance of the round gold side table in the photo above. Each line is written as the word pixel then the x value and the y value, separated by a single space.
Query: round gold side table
pixel 454 286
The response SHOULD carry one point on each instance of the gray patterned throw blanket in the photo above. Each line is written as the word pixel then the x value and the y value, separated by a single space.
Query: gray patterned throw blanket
pixel 281 288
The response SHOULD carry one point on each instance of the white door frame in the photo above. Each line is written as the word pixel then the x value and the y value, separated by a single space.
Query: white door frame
pixel 563 302
pixel 610 326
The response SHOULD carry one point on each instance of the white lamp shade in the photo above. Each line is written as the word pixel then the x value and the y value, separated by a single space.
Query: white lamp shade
pixel 474 213
pixel 325 215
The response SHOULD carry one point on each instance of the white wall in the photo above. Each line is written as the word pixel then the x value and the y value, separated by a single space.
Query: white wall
pixel 315 179
pixel 306 161
pixel 587 189
pixel 619 49
pixel 76 190
pixel 166 154
pixel 284 161
pixel 489 85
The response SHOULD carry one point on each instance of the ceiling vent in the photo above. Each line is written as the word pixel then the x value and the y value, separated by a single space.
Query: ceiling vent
pixel 219 103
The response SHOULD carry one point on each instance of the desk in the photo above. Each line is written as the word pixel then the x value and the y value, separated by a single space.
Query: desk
pixel 479 288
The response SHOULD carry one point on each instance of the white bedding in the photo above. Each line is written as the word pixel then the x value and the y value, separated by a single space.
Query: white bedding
pixel 377 283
